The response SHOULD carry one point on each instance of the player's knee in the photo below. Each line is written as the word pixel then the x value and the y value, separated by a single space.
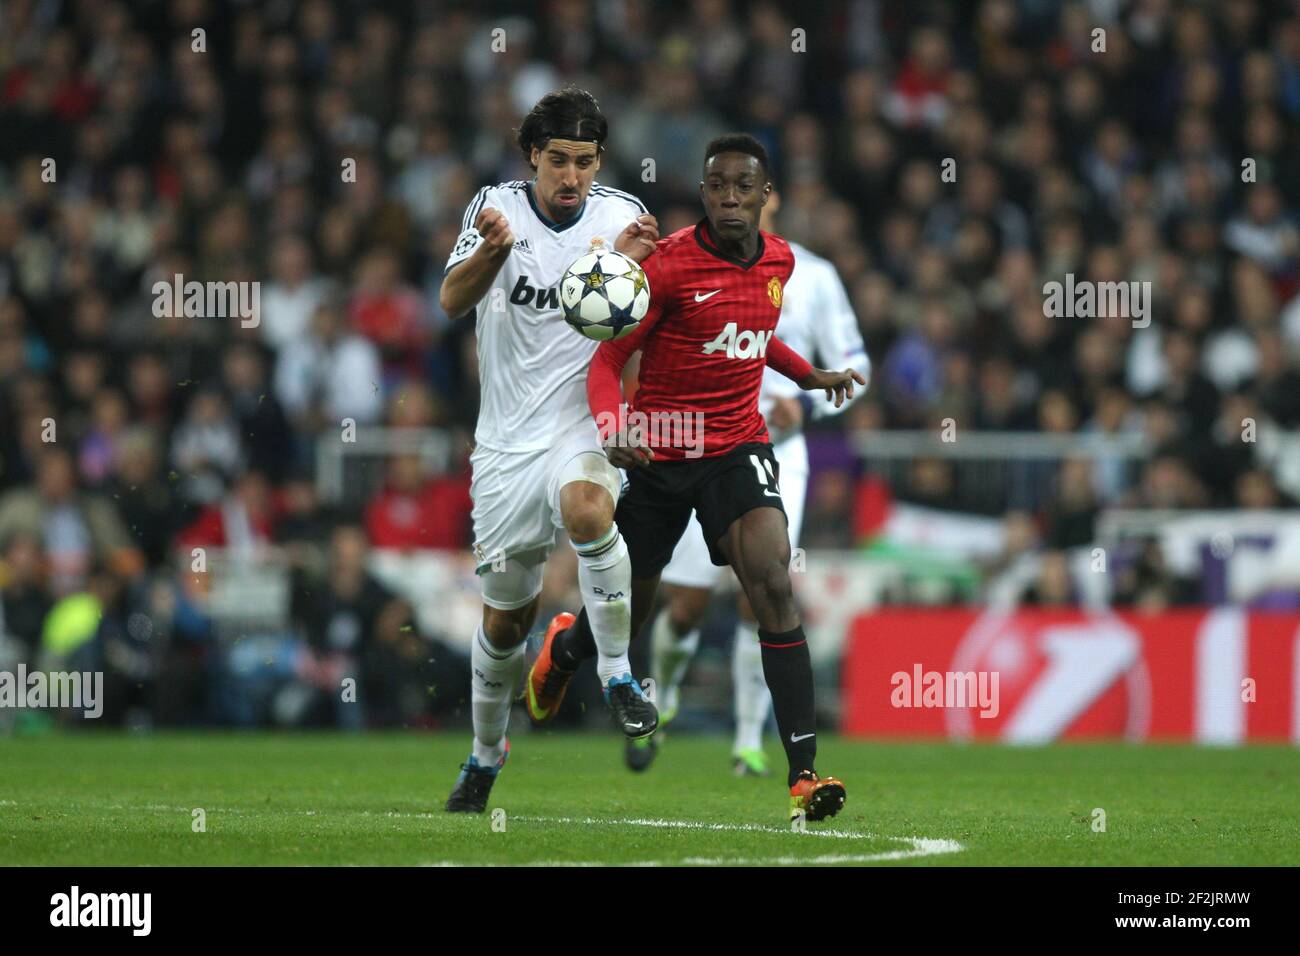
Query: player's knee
pixel 589 487
pixel 587 512
pixel 507 629
pixel 588 525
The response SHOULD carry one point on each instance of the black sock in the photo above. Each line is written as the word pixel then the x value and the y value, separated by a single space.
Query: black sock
pixel 575 644
pixel 787 668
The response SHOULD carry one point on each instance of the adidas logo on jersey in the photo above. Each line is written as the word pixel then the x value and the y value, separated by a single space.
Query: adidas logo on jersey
pixel 744 345
pixel 525 294
pixel 522 245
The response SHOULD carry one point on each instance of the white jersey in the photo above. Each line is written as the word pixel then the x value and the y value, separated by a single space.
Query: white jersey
pixel 816 320
pixel 532 365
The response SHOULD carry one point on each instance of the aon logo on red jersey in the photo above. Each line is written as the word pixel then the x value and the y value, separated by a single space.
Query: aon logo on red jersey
pixel 745 345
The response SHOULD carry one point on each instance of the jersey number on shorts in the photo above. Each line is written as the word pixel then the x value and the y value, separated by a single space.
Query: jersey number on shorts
pixel 766 478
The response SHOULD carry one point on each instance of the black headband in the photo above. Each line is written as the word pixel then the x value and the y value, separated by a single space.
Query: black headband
pixel 548 135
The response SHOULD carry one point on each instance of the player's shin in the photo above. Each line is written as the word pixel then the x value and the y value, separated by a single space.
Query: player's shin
pixel 497 674
pixel 671 657
pixel 753 700
pixel 788 670
pixel 605 580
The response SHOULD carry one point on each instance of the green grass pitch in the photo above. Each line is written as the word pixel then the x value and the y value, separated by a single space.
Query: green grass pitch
pixel 103 799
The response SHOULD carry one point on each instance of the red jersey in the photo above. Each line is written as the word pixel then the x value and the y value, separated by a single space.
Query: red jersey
pixel 704 343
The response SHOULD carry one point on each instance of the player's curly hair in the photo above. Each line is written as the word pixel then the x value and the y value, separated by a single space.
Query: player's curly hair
pixel 570 113
pixel 738 143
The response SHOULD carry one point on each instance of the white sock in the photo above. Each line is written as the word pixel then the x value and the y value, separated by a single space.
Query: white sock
pixel 671 656
pixel 496 676
pixel 753 699
pixel 605 579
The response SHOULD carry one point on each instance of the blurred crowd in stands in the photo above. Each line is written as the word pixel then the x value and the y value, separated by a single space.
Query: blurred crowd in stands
pixel 129 438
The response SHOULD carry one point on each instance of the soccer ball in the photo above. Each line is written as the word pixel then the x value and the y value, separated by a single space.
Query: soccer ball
pixel 604 294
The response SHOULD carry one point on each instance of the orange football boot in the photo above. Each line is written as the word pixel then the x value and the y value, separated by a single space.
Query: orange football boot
pixel 816 797
pixel 547 681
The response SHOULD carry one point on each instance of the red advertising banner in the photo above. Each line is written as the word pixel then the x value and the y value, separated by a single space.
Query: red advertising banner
pixel 1030 676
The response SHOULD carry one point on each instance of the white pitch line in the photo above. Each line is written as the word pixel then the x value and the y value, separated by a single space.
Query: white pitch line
pixel 921 846
pixel 950 846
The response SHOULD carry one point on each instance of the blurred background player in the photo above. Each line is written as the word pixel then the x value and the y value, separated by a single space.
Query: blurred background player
pixel 816 318
pixel 537 465
pixel 716 297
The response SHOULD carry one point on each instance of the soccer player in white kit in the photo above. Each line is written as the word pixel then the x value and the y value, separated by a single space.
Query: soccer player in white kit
pixel 816 317
pixel 538 465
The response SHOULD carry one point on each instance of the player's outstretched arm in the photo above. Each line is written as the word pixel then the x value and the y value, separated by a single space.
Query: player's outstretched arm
pixel 838 385
pixel 467 283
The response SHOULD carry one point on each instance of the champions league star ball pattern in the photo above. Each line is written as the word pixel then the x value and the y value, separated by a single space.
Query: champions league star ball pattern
pixel 604 295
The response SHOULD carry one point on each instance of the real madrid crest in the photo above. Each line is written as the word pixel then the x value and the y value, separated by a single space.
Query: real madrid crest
pixel 774 291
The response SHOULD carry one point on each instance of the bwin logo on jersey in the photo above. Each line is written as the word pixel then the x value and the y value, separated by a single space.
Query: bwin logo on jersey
pixel 524 294
pixel 745 345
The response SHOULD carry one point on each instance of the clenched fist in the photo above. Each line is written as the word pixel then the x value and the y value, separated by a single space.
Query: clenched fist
pixel 493 226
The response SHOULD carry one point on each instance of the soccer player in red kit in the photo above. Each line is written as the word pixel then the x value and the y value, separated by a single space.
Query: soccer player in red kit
pixel 716 293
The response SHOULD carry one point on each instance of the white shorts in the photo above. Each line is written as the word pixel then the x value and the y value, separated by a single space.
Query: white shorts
pixel 691 565
pixel 517 509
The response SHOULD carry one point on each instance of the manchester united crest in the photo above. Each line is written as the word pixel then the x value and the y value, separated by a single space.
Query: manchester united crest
pixel 774 291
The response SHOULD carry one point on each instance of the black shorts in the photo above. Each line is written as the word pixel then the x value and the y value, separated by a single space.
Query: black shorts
pixel 656 507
